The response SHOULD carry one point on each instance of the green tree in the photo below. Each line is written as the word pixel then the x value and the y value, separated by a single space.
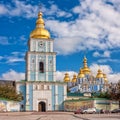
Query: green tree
pixel 101 95
pixel 7 91
pixel 115 92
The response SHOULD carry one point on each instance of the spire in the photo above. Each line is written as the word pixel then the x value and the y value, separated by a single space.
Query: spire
pixel 85 62
pixel 85 68
pixel 40 21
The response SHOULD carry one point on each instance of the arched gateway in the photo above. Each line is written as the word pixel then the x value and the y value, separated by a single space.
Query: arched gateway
pixel 41 107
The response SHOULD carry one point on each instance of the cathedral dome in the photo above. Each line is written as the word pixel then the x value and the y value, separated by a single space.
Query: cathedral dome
pixel 74 78
pixel 66 78
pixel 85 69
pixel 40 31
pixel 81 74
pixel 99 74
pixel 105 78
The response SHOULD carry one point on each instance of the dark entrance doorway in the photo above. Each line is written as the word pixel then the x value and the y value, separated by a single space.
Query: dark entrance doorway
pixel 41 107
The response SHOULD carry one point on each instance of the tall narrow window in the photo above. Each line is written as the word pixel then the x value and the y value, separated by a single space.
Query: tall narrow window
pixel 41 67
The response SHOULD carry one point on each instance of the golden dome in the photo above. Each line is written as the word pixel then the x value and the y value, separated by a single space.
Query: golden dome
pixel 74 78
pixel 40 31
pixel 81 74
pixel 66 78
pixel 105 78
pixel 86 70
pixel 99 74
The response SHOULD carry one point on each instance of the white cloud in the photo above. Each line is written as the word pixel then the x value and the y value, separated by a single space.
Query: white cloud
pixel 54 11
pixel 112 77
pixel 1 57
pixel 8 40
pixel 108 60
pixel 104 54
pixel 96 54
pixel 14 59
pixel 22 8
pixel 60 75
pixel 4 40
pixel 12 75
pixel 16 53
pixel 105 68
pixel 3 9
pixel 96 28
pixel 22 37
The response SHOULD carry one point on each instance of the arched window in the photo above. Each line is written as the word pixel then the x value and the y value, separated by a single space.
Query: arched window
pixel 41 67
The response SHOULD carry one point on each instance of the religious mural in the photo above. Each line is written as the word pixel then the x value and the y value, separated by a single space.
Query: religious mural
pixel 3 106
pixel 72 106
pixel 9 106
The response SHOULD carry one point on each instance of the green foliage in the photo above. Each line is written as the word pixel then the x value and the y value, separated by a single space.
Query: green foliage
pixel 115 92
pixel 9 92
pixel 102 95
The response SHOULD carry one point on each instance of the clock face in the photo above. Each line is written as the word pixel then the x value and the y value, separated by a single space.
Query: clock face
pixel 41 45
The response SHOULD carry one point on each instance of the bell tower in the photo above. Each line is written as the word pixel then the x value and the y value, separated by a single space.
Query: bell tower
pixel 41 91
pixel 40 58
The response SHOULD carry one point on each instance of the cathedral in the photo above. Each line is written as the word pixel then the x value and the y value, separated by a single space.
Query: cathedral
pixel 86 82
pixel 41 91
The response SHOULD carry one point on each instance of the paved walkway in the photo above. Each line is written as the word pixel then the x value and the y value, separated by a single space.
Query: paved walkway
pixel 56 116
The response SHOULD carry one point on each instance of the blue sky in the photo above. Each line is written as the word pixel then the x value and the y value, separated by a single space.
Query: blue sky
pixel 78 27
